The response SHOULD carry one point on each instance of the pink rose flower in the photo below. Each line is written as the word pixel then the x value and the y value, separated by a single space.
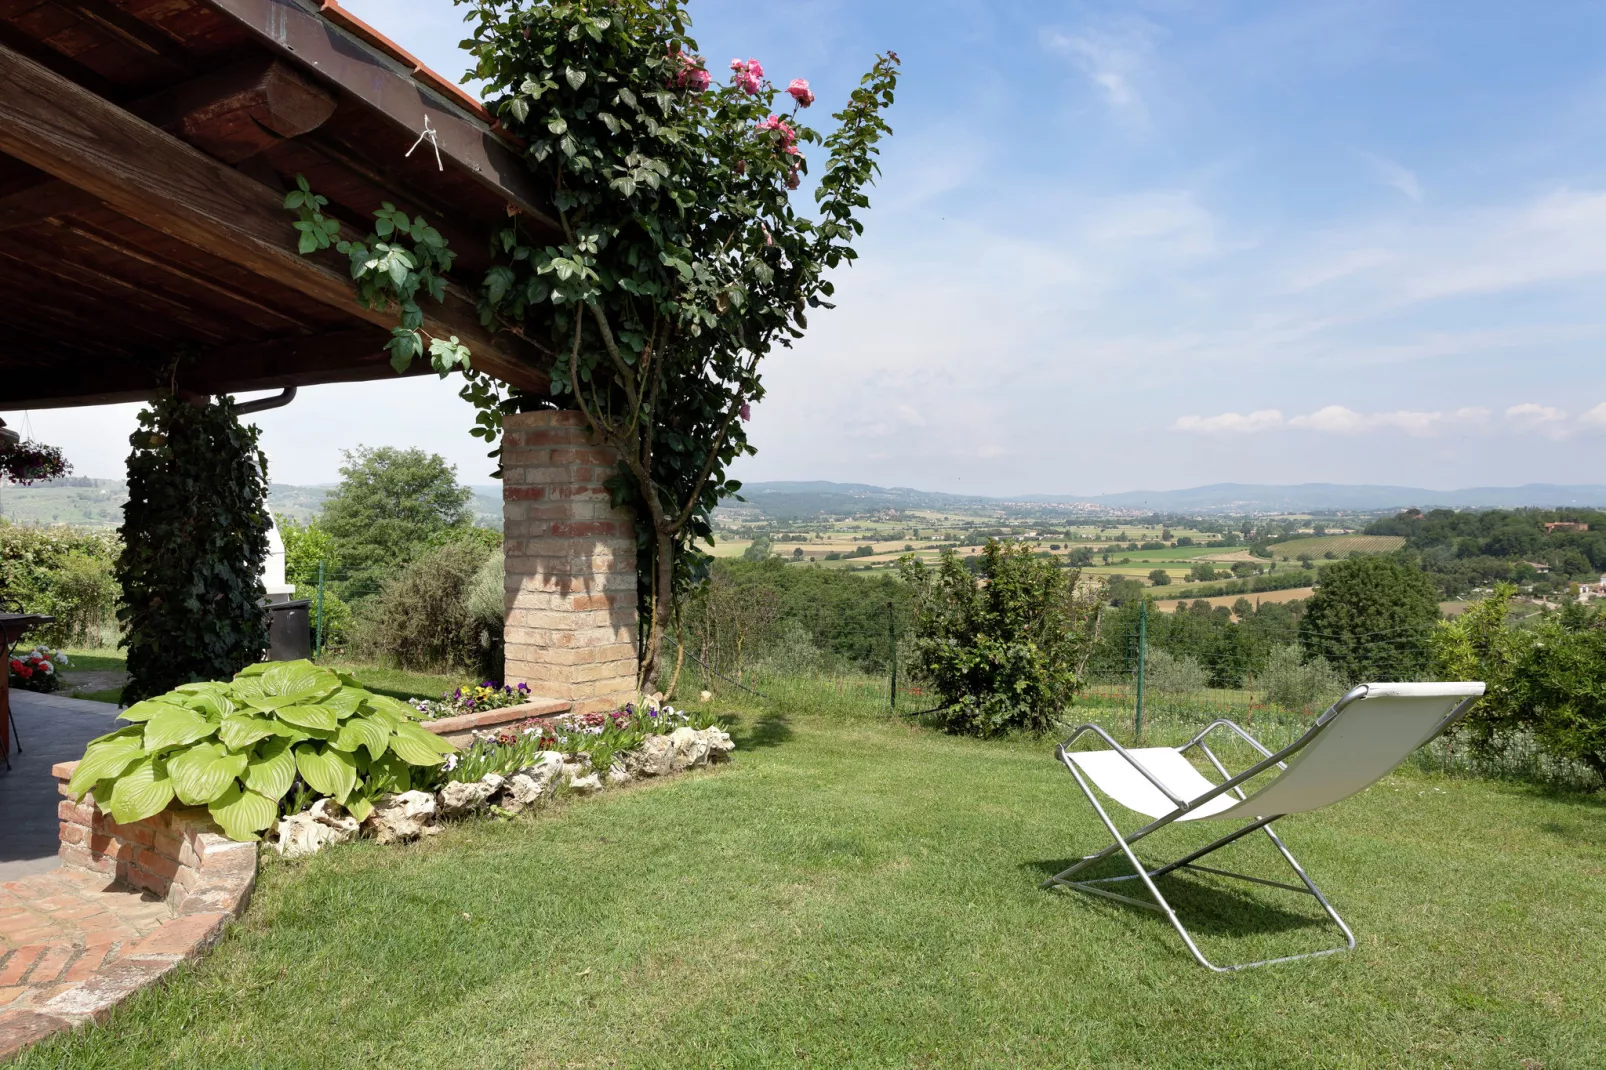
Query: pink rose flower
pixel 800 92
pixel 749 75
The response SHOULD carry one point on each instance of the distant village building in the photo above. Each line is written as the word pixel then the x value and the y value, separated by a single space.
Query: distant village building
pixel 1538 566
pixel 1589 591
pixel 1565 525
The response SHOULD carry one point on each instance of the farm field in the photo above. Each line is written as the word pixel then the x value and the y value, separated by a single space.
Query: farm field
pixel 1295 595
pixel 1342 545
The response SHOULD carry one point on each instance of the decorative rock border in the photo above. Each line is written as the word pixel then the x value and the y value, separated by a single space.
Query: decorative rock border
pixel 180 855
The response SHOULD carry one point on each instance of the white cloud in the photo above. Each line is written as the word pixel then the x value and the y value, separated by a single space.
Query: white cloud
pixel 1395 176
pixel 1338 420
pixel 1538 419
pixel 1112 57
pixel 1231 423
pixel 1595 417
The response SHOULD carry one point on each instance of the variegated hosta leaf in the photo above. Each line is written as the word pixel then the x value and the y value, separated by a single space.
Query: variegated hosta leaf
pixel 106 757
pixel 212 703
pixel 363 732
pixel 240 730
pixel 347 701
pixel 243 814
pixel 360 806
pixel 384 717
pixel 272 769
pixel 142 790
pixel 322 718
pixel 204 772
pixel 144 711
pixel 394 707
pixel 418 746
pixel 389 773
pixel 175 726
pixel 327 771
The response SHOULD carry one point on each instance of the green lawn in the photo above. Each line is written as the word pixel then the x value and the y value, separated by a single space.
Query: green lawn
pixel 858 893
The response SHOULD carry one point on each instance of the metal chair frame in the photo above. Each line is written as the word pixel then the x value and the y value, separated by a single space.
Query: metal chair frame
pixel 1233 784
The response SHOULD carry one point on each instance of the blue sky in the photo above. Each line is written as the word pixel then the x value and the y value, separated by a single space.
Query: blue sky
pixel 1154 244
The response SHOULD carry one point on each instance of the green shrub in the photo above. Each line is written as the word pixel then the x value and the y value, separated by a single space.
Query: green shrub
pixel 1174 674
pixel 1558 691
pixel 1296 684
pixel 239 748
pixel 1000 650
pixel 65 573
pixel 1546 679
pixel 339 622
pixel 420 620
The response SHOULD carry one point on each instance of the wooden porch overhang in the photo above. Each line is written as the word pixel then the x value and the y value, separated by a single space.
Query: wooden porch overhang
pixel 145 150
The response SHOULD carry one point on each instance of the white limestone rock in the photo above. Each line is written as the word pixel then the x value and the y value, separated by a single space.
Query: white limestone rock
pixel 399 818
pixel 720 744
pixel 691 749
pixel 586 785
pixel 459 799
pixel 308 833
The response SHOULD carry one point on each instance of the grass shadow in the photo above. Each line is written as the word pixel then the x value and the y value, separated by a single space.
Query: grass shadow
pixel 750 731
pixel 1207 905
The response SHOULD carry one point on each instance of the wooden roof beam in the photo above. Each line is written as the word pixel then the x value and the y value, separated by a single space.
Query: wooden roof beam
pixel 394 90
pixel 237 112
pixel 156 179
pixel 336 357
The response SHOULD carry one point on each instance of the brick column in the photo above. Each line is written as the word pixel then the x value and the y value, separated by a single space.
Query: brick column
pixel 571 564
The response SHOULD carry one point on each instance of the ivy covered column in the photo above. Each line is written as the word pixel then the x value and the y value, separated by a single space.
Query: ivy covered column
pixel 195 535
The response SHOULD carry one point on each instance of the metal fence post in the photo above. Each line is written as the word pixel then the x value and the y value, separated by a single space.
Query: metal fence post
pixel 318 646
pixel 1143 653
pixel 892 643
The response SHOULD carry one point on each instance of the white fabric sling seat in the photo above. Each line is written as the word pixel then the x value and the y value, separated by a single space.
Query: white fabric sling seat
pixel 1356 743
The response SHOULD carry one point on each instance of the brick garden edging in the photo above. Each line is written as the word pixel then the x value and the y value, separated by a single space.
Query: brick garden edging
pixel 460 730
pixel 180 855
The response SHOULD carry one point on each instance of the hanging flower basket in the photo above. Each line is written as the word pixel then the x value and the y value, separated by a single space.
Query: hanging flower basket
pixel 28 462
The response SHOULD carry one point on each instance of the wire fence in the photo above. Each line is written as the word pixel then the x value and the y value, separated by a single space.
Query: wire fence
pixel 1152 678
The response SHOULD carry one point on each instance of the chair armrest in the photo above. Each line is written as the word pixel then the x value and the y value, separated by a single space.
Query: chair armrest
pixel 1198 740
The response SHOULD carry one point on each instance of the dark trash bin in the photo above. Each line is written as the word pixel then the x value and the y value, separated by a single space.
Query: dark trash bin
pixel 289 631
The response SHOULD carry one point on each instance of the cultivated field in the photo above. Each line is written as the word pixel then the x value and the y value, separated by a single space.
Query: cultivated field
pixel 1295 595
pixel 1342 545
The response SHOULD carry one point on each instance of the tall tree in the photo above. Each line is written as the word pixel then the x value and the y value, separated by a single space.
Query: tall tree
pixel 1372 618
pixel 388 505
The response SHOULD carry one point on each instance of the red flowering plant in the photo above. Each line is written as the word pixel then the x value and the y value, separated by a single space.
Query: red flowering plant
pixel 37 670
pixel 682 256
pixel 25 463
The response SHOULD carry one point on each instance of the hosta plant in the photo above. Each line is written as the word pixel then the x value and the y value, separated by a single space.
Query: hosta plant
pixel 239 748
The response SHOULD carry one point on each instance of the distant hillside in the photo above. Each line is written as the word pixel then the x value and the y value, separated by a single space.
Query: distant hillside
pixel 98 503
pixel 796 500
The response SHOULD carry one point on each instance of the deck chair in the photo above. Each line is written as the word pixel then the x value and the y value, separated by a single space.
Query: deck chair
pixel 1357 742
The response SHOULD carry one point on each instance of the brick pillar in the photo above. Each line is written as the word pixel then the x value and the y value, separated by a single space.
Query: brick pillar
pixel 571 564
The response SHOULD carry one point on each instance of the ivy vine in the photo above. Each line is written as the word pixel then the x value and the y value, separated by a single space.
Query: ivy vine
pixel 195 536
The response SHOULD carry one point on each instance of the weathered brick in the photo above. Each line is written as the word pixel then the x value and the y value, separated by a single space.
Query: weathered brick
pixel 77 813
pixel 20 1028
pixel 137 833
pixel 155 862
pixel 83 858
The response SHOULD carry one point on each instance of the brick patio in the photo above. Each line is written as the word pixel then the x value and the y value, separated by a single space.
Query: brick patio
pixel 128 904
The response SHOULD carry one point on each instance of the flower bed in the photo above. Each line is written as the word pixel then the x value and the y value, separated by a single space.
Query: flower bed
pixel 37 669
pixel 473 699
pixel 514 767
